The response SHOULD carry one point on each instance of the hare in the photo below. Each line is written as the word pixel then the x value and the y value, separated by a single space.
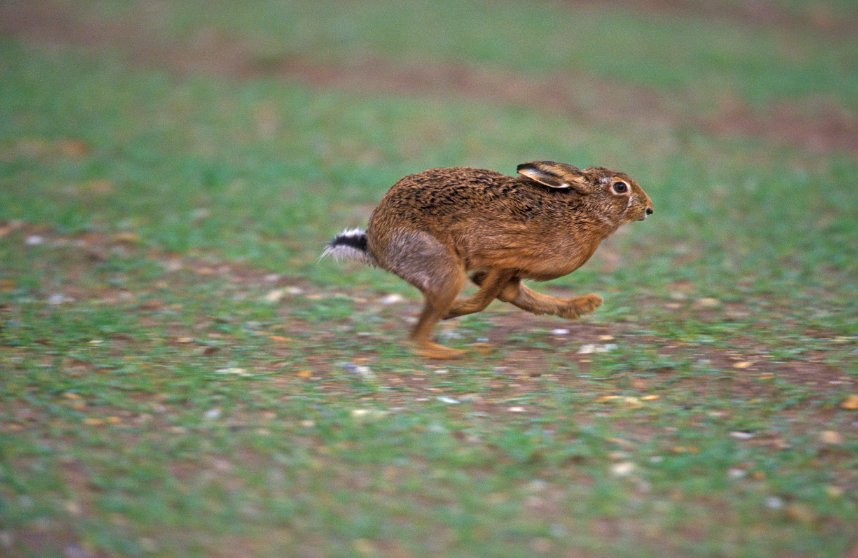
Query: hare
pixel 438 227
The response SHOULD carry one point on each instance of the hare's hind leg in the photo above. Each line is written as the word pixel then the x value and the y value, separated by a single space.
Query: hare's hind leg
pixel 490 287
pixel 527 299
pixel 439 297
pixel 427 264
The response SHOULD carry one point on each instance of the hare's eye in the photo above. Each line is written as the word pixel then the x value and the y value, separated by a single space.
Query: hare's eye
pixel 620 187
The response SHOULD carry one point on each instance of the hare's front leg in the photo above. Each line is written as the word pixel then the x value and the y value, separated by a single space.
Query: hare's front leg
pixel 490 287
pixel 519 295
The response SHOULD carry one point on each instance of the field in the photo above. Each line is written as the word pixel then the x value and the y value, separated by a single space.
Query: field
pixel 180 375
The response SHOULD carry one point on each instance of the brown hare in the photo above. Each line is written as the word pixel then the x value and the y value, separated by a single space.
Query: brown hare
pixel 437 227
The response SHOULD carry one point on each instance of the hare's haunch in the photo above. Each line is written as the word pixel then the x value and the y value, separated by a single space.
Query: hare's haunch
pixel 439 227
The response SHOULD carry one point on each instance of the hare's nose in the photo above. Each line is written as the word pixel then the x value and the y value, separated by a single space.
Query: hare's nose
pixel 649 211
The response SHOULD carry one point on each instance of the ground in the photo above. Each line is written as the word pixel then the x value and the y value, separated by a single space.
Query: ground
pixel 183 376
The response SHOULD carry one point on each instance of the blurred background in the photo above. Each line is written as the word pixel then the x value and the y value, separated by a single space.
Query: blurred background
pixel 182 376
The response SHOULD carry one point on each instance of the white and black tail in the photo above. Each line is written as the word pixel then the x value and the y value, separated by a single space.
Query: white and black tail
pixel 351 244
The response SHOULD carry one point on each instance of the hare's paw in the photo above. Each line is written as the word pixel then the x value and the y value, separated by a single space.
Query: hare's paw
pixel 578 306
pixel 588 303
pixel 436 351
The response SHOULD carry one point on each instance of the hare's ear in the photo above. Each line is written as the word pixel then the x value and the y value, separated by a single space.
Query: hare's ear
pixel 556 175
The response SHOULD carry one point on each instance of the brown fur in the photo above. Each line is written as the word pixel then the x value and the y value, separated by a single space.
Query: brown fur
pixel 437 227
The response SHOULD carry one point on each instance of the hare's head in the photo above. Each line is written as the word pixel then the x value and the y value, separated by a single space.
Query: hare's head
pixel 614 195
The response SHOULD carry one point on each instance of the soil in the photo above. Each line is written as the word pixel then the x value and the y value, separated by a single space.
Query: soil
pixel 764 13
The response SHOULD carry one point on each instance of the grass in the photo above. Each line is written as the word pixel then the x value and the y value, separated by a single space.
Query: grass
pixel 706 57
pixel 182 377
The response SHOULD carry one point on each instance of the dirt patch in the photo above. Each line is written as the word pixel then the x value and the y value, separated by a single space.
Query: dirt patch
pixel 766 13
pixel 820 127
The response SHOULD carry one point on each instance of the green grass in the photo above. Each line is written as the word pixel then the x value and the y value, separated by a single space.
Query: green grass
pixel 701 58
pixel 181 376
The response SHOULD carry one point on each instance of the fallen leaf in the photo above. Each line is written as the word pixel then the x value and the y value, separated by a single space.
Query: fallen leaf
pixel 10 227
pixel 850 403
pixel 800 513
pixel 650 397
pixel 744 364
pixel 632 402
pixel 622 442
pixel 280 338
pixel 830 437
pixel 126 237
pixel 834 491
pixel 629 401
pixel 304 374
pixel 78 404
pixel 685 449
pixel 364 547
pixel 707 302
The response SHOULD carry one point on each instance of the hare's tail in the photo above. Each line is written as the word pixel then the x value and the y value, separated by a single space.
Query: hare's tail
pixel 350 244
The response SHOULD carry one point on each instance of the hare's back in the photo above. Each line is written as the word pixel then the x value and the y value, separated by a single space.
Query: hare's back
pixel 445 192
